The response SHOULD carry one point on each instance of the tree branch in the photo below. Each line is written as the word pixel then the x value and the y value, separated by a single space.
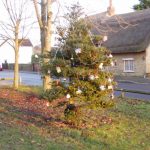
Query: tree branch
pixel 37 13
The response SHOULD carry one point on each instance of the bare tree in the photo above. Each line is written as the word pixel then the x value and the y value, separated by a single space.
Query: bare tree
pixel 15 28
pixel 45 22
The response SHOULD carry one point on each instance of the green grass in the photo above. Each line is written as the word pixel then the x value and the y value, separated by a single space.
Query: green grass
pixel 129 130
pixel 31 89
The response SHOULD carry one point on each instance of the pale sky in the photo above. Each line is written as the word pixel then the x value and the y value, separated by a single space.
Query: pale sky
pixel 90 7
pixel 96 6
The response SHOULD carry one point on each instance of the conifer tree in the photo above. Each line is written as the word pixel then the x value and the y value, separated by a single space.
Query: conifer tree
pixel 144 4
pixel 86 81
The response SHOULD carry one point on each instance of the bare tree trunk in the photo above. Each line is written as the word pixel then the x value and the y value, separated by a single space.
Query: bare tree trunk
pixel 16 48
pixel 15 29
pixel 16 69
pixel 47 80
pixel 46 37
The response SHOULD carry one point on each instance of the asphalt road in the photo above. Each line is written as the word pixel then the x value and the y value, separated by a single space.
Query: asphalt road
pixel 134 95
pixel 28 78
pixel 135 86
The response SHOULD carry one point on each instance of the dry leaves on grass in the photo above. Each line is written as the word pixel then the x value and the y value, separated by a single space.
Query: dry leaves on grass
pixel 31 104
pixel 34 109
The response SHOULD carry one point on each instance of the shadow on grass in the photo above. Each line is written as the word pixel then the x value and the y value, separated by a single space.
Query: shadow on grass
pixel 26 115
pixel 63 135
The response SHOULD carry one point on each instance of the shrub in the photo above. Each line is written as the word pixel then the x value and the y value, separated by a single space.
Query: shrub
pixel 54 93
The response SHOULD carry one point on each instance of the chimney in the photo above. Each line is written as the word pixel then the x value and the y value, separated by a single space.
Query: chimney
pixel 111 9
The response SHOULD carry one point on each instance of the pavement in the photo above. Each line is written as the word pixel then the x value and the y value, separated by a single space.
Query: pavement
pixel 132 79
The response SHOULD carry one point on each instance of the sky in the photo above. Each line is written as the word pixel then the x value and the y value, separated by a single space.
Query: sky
pixel 90 7
pixel 97 6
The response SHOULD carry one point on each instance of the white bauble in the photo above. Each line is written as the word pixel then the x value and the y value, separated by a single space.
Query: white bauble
pixel 110 56
pixel 58 69
pixel 109 80
pixel 102 87
pixel 105 38
pixel 78 91
pixel 112 63
pixel 110 87
pixel 91 77
pixel 36 56
pixel 68 96
pixel 101 66
pixel 78 50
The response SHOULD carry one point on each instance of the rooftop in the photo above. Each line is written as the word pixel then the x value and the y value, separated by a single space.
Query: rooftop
pixel 26 43
pixel 126 33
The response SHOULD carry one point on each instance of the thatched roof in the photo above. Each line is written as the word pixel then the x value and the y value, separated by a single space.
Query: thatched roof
pixel 126 32
pixel 37 49
pixel 26 43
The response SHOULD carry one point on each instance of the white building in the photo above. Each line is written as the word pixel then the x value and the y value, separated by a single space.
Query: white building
pixel 25 52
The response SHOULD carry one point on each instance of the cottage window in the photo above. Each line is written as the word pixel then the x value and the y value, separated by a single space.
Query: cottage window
pixel 128 64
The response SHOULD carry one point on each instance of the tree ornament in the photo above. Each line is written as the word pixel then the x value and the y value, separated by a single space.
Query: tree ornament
pixel 101 66
pixel 49 72
pixel 91 77
pixel 110 56
pixel 68 96
pixel 102 87
pixel 78 50
pixel 105 38
pixel 78 91
pixel 58 69
pixel 110 87
pixel 36 56
pixel 64 79
pixel 109 80
pixel 112 63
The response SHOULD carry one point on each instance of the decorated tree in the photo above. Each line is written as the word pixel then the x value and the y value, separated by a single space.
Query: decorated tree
pixel 81 67
pixel 144 4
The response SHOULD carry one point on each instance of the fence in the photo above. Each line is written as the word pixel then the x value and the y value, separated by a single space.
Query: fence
pixel 23 67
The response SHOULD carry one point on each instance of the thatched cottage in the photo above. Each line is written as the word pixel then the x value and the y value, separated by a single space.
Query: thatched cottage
pixel 128 38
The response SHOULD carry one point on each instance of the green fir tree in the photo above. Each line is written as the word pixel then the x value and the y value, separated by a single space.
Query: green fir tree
pixel 144 4
pixel 82 66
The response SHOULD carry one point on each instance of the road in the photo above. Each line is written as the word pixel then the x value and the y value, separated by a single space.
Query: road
pixel 144 87
pixel 28 78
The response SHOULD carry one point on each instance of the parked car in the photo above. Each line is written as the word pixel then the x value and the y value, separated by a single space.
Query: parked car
pixel 1 69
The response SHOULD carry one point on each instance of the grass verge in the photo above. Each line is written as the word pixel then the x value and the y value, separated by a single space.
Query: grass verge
pixel 129 129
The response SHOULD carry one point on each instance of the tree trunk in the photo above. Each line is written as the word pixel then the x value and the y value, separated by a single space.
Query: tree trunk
pixel 46 38
pixel 16 49
pixel 16 69
pixel 45 28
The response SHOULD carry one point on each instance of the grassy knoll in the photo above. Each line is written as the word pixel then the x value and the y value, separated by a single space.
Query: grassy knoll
pixel 20 129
